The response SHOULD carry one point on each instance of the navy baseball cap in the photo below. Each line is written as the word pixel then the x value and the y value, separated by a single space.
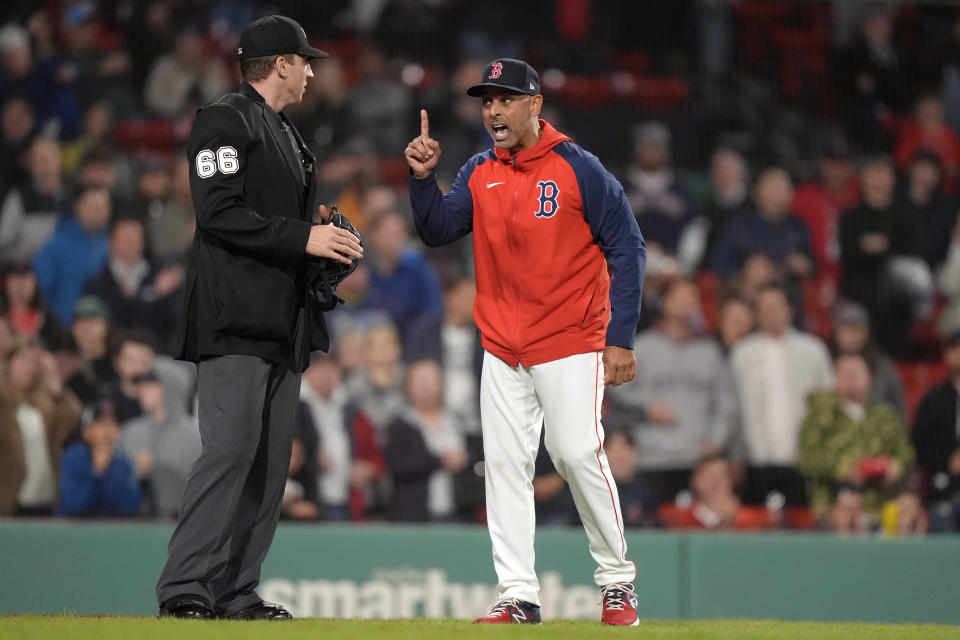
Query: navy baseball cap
pixel 507 73
pixel 275 36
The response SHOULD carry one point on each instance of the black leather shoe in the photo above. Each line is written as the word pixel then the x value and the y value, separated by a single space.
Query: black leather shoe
pixel 262 611
pixel 189 607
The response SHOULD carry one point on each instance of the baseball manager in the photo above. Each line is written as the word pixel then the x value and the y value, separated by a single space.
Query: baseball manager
pixel 559 264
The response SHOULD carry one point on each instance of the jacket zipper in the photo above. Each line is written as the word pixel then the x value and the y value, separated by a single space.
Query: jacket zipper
pixel 516 244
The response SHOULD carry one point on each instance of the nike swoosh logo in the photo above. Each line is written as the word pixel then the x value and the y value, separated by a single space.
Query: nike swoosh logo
pixel 493 184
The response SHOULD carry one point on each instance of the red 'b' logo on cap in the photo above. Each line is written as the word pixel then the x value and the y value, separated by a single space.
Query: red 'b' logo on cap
pixel 495 70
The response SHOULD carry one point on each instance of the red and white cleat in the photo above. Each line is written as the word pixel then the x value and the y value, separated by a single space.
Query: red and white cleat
pixel 511 611
pixel 619 605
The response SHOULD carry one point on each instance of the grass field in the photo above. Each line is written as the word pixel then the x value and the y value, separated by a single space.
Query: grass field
pixel 109 628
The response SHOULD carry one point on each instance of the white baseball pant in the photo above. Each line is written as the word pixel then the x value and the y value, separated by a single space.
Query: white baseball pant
pixel 564 397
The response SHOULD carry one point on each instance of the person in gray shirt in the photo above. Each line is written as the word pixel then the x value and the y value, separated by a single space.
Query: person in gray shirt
pixel 681 406
pixel 163 442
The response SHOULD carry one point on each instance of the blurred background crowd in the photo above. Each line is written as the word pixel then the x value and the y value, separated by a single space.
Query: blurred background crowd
pixel 793 166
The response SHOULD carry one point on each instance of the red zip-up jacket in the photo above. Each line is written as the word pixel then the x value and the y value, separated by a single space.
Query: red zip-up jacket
pixel 550 226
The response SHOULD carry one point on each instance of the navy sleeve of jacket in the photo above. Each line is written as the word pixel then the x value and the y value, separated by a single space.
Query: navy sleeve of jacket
pixel 441 218
pixel 615 229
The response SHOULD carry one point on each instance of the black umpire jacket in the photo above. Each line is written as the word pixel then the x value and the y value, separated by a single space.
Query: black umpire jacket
pixel 254 200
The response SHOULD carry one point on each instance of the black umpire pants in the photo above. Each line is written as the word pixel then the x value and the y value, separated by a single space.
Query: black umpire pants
pixel 231 503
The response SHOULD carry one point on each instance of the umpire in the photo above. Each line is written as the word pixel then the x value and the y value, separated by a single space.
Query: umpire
pixel 250 325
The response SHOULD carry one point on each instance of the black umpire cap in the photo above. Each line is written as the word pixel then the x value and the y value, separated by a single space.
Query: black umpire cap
pixel 274 36
pixel 507 73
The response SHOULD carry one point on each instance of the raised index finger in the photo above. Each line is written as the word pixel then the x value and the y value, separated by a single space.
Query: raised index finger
pixel 424 124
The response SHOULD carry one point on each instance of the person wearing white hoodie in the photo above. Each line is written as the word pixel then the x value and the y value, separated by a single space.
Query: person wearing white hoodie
pixel 775 369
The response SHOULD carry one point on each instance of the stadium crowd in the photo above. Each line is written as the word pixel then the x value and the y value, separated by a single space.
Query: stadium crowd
pixel 793 167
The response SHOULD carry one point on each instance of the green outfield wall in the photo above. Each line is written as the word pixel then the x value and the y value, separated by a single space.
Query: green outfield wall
pixel 446 571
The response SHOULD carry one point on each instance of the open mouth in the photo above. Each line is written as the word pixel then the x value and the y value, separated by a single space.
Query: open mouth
pixel 500 131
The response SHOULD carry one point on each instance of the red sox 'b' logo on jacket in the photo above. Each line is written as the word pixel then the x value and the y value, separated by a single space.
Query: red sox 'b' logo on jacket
pixel 548 199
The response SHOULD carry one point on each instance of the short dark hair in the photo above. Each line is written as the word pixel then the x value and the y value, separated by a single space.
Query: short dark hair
pixel 117 221
pixel 878 160
pixel 677 282
pixel 97 154
pixel 774 287
pixel 257 69
pixel 83 190
pixel 716 456
pixel 123 337
pixel 622 433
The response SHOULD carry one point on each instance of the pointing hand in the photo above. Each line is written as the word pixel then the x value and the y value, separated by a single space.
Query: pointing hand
pixel 423 152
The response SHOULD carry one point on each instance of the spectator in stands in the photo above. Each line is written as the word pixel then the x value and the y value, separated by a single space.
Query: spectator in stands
pixel 402 280
pixel 452 339
pixel 930 132
pixel 138 294
pixel 851 334
pixel 462 135
pixel 377 200
pixel 935 212
pixel 87 366
pixel 170 218
pixel 661 269
pixel 75 252
pixel 349 348
pixel 665 210
pixel 377 388
pixel 300 499
pixel 937 442
pixel 104 72
pixel 98 127
pixel 757 273
pixel 768 228
pixel 48 83
pixel 349 460
pixel 729 191
pixel 734 323
pixel 948 284
pixel 17 127
pixel 37 416
pixel 875 78
pixel 637 504
pixel 848 437
pixel 323 117
pixel 185 77
pixel 163 443
pixel 30 212
pixel 379 103
pixel 101 167
pixel 681 404
pixel 97 479
pixel 905 517
pixel 950 72
pixel 820 202
pixel 878 229
pixel 713 504
pixel 775 370
pixel 22 304
pixel 133 355
pixel 424 449
pixel 846 516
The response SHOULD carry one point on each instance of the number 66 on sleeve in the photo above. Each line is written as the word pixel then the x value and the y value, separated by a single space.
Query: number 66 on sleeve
pixel 224 160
